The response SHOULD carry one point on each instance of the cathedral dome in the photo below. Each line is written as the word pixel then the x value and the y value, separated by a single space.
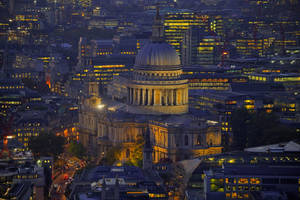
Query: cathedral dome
pixel 157 54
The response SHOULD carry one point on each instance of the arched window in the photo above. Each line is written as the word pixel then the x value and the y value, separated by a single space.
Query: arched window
pixel 186 140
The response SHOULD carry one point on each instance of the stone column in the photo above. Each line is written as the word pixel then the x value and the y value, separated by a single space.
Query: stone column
pixel 165 98
pixel 135 96
pixel 143 97
pixel 160 95
pixel 186 96
pixel 138 96
pixel 171 97
pixel 176 97
pixel 182 96
pixel 149 96
pixel 153 96
pixel 130 96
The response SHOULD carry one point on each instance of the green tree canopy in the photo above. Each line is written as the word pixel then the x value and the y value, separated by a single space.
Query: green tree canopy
pixel 258 128
pixel 76 149
pixel 47 144
pixel 136 157
pixel 112 155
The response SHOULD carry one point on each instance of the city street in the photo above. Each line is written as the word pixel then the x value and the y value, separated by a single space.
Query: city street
pixel 59 183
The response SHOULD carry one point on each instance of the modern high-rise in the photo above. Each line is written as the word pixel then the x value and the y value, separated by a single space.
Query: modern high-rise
pixel 198 48
pixel 177 24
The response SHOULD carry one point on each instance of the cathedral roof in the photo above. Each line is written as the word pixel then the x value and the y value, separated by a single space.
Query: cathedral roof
pixel 157 54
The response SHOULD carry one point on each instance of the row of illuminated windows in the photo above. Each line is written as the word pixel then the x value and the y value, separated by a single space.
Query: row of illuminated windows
pixel 252 181
pixel 208 84
pixel 235 195
pixel 283 79
pixel 108 66
pixel 292 105
pixel 104 53
pixel 240 188
pixel 271 71
pixel 256 159
pixel 226 129
pixel 159 74
pixel 268 106
pixel 152 195
pixel 211 43
pixel 5 106
pixel 209 88
pixel 128 52
pixel 257 78
pixel 210 80
pixel 27 129
pixel 110 70
pixel 24 75
pixel 249 107
pixel 249 101
pixel 249 47
pixel 28 176
pixel 35 99
pixel 205 49
pixel 231 102
pixel 182 24
pixel 10 102
pixel 175 44
pixel 101 74
pixel 290 110
pixel 27 134
pixel 78 74
pixel 179 27
pixel 11 87
pixel 33 124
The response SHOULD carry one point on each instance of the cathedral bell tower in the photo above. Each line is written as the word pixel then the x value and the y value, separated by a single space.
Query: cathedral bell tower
pixel 93 99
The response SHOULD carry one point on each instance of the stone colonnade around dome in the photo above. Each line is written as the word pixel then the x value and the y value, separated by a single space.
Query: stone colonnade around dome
pixel 147 96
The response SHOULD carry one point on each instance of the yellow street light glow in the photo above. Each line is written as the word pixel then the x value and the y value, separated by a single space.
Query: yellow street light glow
pixel 100 106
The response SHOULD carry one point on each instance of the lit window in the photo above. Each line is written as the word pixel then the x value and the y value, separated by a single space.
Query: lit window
pixel 254 181
pixel 243 181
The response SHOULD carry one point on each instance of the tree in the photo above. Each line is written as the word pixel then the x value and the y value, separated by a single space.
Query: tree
pixel 136 157
pixel 76 149
pixel 47 144
pixel 112 155
pixel 258 128
pixel 238 121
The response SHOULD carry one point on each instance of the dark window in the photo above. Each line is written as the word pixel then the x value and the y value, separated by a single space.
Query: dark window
pixel 268 187
pixel 270 181
pixel 186 140
pixel 289 181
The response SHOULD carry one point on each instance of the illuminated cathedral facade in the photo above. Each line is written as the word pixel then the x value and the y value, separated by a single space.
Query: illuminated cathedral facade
pixel 152 97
